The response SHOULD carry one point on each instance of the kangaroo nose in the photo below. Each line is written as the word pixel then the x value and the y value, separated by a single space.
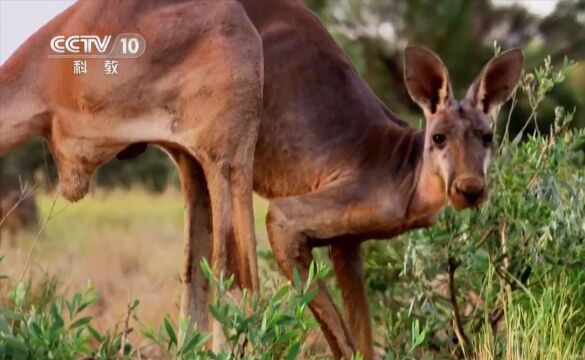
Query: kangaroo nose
pixel 471 196
pixel 471 189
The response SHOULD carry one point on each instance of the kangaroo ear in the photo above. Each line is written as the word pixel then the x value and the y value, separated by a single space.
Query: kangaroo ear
pixel 427 79
pixel 496 82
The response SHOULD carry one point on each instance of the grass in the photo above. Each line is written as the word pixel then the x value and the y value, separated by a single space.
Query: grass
pixel 128 244
pixel 546 324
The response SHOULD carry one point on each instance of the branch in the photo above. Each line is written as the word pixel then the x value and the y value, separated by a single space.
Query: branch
pixel 456 321
pixel 125 331
pixel 484 238
pixel 498 313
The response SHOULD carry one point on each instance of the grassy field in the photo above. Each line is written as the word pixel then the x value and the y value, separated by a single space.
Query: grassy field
pixel 128 244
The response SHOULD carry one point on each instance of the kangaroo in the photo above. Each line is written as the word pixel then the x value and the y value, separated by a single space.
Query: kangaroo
pixel 196 92
pixel 340 168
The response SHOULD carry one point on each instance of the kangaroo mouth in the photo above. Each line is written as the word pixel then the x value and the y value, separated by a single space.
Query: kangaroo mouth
pixel 467 192
pixel 460 202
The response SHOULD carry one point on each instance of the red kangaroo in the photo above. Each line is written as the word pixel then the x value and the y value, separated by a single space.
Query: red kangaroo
pixel 196 92
pixel 340 168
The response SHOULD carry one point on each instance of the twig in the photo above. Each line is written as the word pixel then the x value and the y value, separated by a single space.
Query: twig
pixel 504 243
pixel 457 323
pixel 49 183
pixel 505 139
pixel 34 244
pixel 125 331
pixel 25 192
pixel 484 238
pixel 244 344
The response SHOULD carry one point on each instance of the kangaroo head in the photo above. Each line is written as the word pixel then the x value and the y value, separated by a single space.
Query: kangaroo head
pixel 458 135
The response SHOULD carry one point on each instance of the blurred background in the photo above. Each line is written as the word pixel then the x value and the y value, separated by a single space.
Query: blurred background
pixel 373 33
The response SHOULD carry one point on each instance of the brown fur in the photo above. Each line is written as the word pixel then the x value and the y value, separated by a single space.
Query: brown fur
pixel 196 92
pixel 340 168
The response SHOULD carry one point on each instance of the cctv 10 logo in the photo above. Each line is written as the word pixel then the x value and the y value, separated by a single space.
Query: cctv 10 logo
pixel 129 45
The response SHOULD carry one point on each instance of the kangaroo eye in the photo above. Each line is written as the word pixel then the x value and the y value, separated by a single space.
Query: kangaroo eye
pixel 439 139
pixel 487 139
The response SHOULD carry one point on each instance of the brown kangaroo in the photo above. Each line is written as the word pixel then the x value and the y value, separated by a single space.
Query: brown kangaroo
pixel 340 168
pixel 196 92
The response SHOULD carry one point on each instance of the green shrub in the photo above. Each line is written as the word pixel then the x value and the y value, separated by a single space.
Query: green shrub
pixel 269 326
pixel 47 327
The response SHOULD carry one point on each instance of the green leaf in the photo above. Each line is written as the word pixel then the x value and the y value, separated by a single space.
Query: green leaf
pixel 280 294
pixel 80 322
pixel 293 350
pixel 90 299
pixel 72 305
pixel 206 269
pixel 170 331
pixel 195 342
pixel 134 305
pixel 297 280
pixel 217 314
pixel 35 329
pixel 58 324
pixel 95 334
pixel 9 313
pixel 17 347
pixel 4 327
pixel 309 295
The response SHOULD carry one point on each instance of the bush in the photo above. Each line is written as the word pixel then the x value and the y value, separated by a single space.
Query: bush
pixel 273 326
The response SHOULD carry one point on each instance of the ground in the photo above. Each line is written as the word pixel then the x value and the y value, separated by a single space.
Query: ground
pixel 128 244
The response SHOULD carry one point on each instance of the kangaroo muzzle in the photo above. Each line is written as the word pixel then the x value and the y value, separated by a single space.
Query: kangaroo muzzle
pixel 467 191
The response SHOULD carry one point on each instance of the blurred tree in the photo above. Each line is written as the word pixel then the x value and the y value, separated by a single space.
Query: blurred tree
pixel 374 34
pixel 153 170
pixel 33 163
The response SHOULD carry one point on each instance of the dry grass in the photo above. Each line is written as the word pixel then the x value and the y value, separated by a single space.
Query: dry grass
pixel 126 243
